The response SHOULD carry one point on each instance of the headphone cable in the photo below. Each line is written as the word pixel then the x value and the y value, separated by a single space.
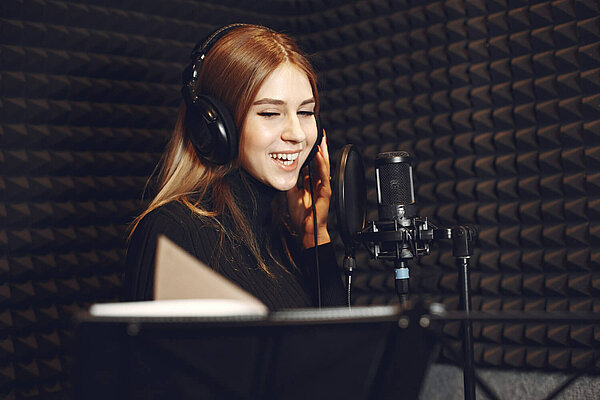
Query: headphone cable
pixel 314 211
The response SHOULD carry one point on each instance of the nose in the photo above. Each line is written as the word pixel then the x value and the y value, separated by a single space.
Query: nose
pixel 293 131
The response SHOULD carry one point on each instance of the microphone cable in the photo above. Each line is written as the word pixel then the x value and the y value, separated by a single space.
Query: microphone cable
pixel 314 212
pixel 349 286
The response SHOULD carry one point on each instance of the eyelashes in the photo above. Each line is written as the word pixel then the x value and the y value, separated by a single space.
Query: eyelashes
pixel 267 114
pixel 273 114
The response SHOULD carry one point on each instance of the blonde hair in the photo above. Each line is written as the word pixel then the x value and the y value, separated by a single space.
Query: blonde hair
pixel 233 71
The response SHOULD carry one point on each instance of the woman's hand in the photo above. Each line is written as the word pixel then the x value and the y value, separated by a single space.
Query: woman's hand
pixel 300 204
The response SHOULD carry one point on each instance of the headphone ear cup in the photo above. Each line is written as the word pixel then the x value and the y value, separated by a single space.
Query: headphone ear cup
pixel 211 130
pixel 315 147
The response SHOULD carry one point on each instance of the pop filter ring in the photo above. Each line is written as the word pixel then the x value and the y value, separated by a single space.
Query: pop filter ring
pixel 349 163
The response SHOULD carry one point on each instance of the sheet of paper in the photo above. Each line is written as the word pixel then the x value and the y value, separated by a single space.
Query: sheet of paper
pixel 179 275
pixel 176 308
pixel 185 287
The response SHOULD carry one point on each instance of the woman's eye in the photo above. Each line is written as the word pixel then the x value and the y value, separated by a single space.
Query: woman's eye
pixel 306 113
pixel 268 114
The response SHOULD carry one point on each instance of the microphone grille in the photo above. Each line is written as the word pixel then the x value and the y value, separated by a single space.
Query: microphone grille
pixel 395 180
pixel 393 154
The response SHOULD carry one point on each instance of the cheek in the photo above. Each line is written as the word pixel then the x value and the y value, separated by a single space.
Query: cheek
pixel 246 151
pixel 310 130
pixel 248 140
pixel 242 146
pixel 255 140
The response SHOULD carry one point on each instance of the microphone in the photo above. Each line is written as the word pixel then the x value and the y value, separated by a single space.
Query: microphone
pixel 395 187
pixel 396 204
pixel 399 235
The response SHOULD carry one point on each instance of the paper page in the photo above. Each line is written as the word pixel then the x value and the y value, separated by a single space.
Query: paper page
pixel 179 275
pixel 177 308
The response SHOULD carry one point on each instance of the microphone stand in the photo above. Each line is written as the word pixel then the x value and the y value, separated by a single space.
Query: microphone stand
pixel 462 239
pixel 412 238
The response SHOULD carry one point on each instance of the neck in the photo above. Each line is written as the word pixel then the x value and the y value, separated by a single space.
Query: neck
pixel 253 197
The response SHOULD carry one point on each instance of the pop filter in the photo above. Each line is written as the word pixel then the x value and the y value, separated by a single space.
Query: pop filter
pixel 350 195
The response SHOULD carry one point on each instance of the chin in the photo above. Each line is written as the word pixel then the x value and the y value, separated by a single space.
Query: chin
pixel 283 186
pixel 283 183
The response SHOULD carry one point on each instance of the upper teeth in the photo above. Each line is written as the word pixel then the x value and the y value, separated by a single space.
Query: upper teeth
pixel 285 156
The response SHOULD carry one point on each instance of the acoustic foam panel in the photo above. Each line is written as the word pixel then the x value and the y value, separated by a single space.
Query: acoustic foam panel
pixel 490 97
pixel 498 100
pixel 90 90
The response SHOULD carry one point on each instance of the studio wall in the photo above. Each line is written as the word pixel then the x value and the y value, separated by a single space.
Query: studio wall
pixel 498 101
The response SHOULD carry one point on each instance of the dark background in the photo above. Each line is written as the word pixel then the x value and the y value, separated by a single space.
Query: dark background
pixel 498 100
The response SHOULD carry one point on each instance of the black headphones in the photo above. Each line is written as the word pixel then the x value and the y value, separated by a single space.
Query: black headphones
pixel 210 125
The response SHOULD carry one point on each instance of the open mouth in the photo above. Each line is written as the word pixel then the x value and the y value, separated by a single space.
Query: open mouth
pixel 285 158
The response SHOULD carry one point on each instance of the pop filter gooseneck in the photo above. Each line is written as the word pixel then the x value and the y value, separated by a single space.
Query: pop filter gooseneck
pixel 350 199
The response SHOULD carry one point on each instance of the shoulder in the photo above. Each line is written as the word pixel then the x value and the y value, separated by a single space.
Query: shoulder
pixel 172 219
pixel 175 219
pixel 173 210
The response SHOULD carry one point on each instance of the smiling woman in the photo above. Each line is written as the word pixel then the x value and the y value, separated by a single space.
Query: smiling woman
pixel 279 130
pixel 232 188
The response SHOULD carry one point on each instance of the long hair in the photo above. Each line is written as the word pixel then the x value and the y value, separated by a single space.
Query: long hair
pixel 233 71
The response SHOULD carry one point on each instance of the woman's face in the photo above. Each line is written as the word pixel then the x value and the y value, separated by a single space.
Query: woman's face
pixel 280 128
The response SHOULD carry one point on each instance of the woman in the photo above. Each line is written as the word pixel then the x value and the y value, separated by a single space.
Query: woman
pixel 246 217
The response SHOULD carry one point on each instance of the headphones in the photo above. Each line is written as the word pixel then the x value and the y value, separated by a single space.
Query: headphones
pixel 210 125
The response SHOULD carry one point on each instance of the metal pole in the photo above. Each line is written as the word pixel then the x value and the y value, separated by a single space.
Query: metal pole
pixel 461 241
pixel 469 367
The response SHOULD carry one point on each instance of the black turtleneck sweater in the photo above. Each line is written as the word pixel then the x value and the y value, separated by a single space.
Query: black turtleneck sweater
pixel 293 289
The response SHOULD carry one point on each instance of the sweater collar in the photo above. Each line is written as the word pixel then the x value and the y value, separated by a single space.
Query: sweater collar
pixel 254 197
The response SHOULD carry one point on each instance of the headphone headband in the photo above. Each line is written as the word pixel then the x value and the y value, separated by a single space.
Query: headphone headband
pixel 201 49
pixel 191 73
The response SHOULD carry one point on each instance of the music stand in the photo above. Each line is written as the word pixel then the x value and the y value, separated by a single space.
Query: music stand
pixel 333 353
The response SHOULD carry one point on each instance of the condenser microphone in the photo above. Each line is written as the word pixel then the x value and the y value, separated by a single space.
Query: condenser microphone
pixel 395 187
pixel 396 203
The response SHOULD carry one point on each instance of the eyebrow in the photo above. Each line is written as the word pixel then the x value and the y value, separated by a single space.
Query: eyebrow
pixel 280 102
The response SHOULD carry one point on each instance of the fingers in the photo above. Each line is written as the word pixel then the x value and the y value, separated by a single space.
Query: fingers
pixel 323 165
pixel 322 184
pixel 306 193
pixel 300 197
pixel 324 148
